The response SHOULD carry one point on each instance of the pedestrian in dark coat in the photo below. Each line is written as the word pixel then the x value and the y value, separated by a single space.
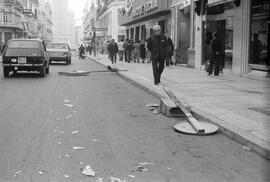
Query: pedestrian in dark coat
pixel 129 48
pixel 215 60
pixel 157 45
pixel 143 51
pixel 113 50
pixel 170 50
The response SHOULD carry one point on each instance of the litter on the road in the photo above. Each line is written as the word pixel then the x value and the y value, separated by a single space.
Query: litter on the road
pixel 62 132
pixel 59 143
pixel 67 156
pixel 68 116
pixel 246 148
pixel 51 110
pixel 41 172
pixel 142 167
pixel 67 101
pixel 68 105
pixel 95 140
pixel 152 105
pixel 59 156
pixel 18 173
pixel 66 176
pixel 131 176
pixel 156 111
pixel 78 148
pixel 88 171
pixel 100 179
pixel 74 111
pixel 114 179
pixel 74 132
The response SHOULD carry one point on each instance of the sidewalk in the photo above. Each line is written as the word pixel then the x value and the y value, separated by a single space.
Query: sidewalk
pixel 239 105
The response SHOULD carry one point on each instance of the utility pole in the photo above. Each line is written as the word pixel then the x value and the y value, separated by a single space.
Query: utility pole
pixel 94 35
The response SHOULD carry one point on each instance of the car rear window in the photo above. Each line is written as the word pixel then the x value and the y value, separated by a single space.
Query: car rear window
pixel 56 46
pixel 24 44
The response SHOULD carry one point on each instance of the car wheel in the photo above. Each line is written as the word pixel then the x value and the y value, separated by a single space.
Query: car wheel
pixel 6 72
pixel 48 69
pixel 69 61
pixel 42 71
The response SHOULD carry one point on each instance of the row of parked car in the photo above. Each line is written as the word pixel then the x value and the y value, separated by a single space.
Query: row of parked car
pixel 33 55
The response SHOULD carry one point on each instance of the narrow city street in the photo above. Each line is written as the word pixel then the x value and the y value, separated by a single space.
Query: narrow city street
pixel 51 128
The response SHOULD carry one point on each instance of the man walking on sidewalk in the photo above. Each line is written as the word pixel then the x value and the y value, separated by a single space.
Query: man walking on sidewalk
pixel 157 45
pixel 113 50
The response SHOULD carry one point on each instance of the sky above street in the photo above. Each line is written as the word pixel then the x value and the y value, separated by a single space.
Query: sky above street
pixel 77 7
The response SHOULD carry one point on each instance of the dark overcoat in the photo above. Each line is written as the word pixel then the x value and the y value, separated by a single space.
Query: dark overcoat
pixel 157 45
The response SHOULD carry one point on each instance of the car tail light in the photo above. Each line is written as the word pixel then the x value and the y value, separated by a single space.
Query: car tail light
pixel 13 60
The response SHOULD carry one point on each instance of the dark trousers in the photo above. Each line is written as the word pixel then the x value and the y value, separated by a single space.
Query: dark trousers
pixel 128 56
pixel 214 62
pixel 158 66
pixel 113 58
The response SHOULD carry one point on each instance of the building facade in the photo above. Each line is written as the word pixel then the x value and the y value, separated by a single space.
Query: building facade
pixel 107 18
pixel 10 20
pixel 64 22
pixel 139 16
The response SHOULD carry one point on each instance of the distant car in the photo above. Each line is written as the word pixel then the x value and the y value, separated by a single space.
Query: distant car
pixel 25 55
pixel 59 52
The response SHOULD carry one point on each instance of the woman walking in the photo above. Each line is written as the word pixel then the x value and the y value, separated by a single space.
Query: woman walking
pixel 137 51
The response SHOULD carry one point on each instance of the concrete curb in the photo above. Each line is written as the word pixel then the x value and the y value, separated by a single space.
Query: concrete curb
pixel 257 145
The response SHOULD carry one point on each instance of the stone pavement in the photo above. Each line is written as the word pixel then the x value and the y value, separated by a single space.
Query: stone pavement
pixel 239 105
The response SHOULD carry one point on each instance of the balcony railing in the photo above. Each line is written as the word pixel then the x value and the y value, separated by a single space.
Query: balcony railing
pixel 11 25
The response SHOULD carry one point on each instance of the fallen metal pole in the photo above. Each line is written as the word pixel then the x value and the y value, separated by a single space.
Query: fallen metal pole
pixel 194 123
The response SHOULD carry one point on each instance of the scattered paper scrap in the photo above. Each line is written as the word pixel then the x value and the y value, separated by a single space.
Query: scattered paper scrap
pixel 41 172
pixel 74 111
pixel 113 179
pixel 246 148
pixel 142 167
pixel 67 156
pixel 131 176
pixel 169 169
pixel 145 163
pixel 87 171
pixel 66 176
pixel 152 105
pixel 18 173
pixel 81 163
pixel 51 110
pixel 100 179
pixel 156 111
pixel 62 132
pixel 59 156
pixel 78 148
pixel 74 132
pixel 68 116
pixel 68 105
pixel 67 101
pixel 95 140
pixel 59 143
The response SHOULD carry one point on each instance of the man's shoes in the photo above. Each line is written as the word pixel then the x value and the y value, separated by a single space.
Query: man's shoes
pixel 156 83
pixel 209 74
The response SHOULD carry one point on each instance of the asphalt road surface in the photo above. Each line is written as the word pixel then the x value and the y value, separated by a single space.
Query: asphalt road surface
pixel 42 119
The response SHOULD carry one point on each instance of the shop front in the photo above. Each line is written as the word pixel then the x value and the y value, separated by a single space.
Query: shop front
pixel 243 29
pixel 142 15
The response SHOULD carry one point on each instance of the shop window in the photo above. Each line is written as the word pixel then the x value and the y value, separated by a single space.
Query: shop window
pixel 259 38
pixel 143 32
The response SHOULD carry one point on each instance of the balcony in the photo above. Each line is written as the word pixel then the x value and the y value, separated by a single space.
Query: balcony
pixel 11 25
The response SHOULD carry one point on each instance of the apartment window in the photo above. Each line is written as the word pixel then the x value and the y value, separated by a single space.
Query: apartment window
pixel 5 17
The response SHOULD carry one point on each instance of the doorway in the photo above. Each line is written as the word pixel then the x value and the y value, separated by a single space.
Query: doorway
pixel 224 31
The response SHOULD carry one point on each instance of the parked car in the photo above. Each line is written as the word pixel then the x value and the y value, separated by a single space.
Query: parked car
pixel 59 52
pixel 25 55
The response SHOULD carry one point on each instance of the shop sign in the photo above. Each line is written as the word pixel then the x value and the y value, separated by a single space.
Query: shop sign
pixel 180 4
pixel 216 2
pixel 145 8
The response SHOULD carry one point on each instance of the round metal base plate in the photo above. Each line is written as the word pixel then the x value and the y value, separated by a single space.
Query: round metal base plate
pixel 186 128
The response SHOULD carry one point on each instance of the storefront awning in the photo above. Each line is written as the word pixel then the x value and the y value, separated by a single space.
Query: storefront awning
pixel 145 18
pixel 217 2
